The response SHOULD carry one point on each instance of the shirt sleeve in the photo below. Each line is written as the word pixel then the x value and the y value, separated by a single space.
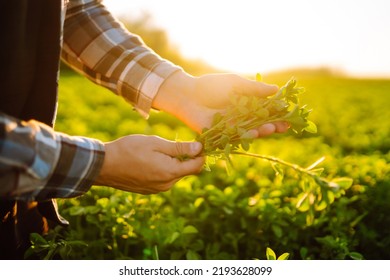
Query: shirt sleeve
pixel 98 46
pixel 37 163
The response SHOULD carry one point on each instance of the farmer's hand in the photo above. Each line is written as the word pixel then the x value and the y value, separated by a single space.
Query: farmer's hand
pixel 148 164
pixel 195 100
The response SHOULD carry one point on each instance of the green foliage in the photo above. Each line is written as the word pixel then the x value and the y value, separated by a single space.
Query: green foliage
pixel 54 245
pixel 271 256
pixel 232 130
pixel 259 205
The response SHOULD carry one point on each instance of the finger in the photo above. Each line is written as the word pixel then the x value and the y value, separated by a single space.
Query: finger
pixel 188 167
pixel 270 128
pixel 181 149
pixel 266 129
pixel 258 88
pixel 183 158
pixel 281 127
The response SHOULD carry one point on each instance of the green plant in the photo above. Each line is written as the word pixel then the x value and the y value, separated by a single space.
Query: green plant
pixel 233 129
pixel 56 244
pixel 231 134
pixel 272 256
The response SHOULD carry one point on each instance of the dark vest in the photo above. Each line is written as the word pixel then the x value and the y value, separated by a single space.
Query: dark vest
pixel 30 46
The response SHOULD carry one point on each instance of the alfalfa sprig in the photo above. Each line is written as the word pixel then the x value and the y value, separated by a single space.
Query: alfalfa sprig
pixel 233 129
pixel 231 134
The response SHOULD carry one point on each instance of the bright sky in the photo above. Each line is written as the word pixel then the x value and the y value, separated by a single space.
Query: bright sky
pixel 250 36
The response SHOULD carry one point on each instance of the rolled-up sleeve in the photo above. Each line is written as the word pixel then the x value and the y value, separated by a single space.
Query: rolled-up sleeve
pixel 37 163
pixel 97 45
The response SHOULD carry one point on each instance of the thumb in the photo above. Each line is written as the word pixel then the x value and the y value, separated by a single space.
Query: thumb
pixel 250 87
pixel 184 149
pixel 184 157
pixel 176 149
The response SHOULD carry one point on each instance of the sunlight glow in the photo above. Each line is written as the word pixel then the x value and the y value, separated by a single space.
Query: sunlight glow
pixel 250 36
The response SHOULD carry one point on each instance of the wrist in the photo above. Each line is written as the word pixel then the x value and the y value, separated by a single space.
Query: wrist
pixel 175 93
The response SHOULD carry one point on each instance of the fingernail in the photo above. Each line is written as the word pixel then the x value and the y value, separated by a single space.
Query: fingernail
pixel 196 148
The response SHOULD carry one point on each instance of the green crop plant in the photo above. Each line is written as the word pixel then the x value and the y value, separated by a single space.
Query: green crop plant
pixel 233 130
pixel 231 133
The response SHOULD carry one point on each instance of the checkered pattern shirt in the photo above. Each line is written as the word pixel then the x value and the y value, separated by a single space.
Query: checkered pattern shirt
pixel 37 163
pixel 98 46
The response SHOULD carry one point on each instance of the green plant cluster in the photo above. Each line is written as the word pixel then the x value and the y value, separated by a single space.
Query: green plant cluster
pixel 258 205
pixel 231 134
pixel 233 129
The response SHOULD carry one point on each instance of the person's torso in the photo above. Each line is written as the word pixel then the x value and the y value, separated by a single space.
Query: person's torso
pixel 29 58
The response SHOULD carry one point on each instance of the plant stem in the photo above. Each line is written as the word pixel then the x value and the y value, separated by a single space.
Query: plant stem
pixel 279 161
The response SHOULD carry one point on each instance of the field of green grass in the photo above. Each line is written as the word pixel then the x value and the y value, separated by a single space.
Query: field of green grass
pixel 215 216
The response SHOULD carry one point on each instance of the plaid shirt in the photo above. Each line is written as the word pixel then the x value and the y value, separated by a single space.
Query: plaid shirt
pixel 37 163
pixel 98 46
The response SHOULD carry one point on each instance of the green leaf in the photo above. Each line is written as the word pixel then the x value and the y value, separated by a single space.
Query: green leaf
pixel 303 252
pixel 271 256
pixel 217 118
pixel 191 255
pixel 277 230
pixel 243 101
pixel 172 238
pixel 198 202
pixel 245 144
pixel 321 205
pixel 37 239
pixel 76 211
pixel 303 204
pixel 92 209
pixel 233 99
pixel 262 113
pixel 243 110
pixel 330 197
pixel 284 257
pixel 311 127
pixel 355 256
pixel 189 230
pixel 291 84
pixel 342 182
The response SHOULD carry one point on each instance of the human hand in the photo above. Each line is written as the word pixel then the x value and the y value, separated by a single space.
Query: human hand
pixel 196 100
pixel 148 164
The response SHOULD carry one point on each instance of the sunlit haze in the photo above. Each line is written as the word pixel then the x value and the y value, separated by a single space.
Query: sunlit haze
pixel 249 36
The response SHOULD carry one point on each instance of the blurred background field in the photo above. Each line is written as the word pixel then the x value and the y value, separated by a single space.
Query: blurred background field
pixel 216 216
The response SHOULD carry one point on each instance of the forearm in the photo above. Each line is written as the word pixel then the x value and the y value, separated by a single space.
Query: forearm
pixel 98 45
pixel 37 163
